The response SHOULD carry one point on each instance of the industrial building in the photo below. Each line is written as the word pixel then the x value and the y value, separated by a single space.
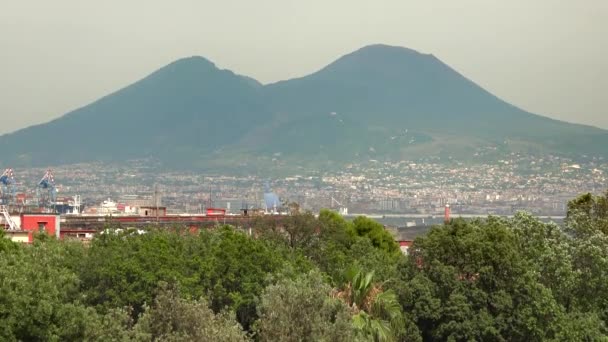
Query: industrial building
pixel 22 227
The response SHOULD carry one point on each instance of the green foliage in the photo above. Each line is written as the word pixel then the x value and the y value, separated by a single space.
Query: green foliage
pixel 378 315
pixel 587 224
pixel 169 318
pixel 582 326
pixel 588 214
pixel 115 325
pixel 226 266
pixel 380 237
pixel 40 298
pixel 7 245
pixel 335 228
pixel 333 244
pixel 123 270
pixel 364 255
pixel 172 318
pixel 518 279
pixel 479 285
pixel 300 230
pixel 494 279
pixel 302 310
pixel 590 205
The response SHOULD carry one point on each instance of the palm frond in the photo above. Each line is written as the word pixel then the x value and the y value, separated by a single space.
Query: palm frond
pixel 361 321
pixel 381 330
pixel 386 302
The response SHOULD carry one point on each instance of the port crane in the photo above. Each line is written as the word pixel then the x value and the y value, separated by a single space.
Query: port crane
pixel 12 225
pixel 45 189
pixel 342 210
pixel 7 187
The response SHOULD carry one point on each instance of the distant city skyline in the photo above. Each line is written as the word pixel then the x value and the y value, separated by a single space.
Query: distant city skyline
pixel 546 57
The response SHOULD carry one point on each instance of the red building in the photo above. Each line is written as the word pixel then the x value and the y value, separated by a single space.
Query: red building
pixel 47 223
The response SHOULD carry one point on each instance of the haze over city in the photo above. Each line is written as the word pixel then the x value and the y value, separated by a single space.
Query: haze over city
pixel 544 56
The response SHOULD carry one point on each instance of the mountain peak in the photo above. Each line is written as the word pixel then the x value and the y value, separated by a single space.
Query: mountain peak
pixel 182 70
pixel 380 59
pixel 189 64
pixel 382 53
pixel 193 60
pixel 386 49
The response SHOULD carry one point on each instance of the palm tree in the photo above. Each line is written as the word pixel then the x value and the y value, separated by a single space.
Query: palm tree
pixel 377 313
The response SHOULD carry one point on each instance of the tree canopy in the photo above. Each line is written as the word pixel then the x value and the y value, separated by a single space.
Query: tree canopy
pixel 316 278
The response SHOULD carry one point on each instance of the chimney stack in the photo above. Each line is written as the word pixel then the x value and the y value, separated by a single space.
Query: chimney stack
pixel 446 218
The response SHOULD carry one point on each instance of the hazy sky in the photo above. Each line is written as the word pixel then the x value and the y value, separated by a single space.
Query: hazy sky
pixel 546 56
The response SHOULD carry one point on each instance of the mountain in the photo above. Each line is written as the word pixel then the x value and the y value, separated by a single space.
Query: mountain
pixel 388 90
pixel 186 108
pixel 379 102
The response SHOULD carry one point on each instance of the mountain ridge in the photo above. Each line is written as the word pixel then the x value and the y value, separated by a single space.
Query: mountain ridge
pixel 379 101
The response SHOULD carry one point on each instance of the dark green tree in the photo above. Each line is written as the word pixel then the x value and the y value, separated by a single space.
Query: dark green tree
pixel 478 286
pixel 224 265
pixel 588 214
pixel 40 298
pixel 375 232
